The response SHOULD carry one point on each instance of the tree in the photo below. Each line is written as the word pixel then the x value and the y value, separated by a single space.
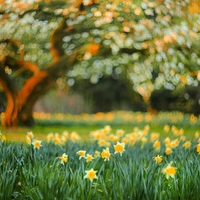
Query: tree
pixel 154 43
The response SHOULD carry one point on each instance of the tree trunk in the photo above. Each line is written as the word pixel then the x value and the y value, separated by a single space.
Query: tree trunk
pixel 20 103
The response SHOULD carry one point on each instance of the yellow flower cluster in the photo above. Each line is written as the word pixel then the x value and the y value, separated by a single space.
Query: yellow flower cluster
pixel 61 139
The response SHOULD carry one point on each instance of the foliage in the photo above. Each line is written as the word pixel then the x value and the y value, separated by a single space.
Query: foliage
pixel 38 173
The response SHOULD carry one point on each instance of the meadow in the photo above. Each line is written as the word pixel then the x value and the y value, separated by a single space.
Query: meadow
pixel 117 155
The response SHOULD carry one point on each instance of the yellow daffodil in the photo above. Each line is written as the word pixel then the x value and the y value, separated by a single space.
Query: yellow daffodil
pixel 91 174
pixel 30 134
pixel 166 128
pixel 81 154
pixel 169 171
pixel 198 148
pixel 3 138
pixel 89 158
pixel 119 148
pixel 120 132
pixel 158 159
pixel 96 154
pixel 168 151
pixel 63 158
pixel 37 143
pixel 105 154
pixel 187 145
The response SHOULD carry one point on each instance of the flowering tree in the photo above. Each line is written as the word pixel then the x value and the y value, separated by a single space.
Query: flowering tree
pixel 155 43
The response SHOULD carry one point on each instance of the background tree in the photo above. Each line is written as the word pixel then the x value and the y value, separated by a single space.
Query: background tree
pixel 154 43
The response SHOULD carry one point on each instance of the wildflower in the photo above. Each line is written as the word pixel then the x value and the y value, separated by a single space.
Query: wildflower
pixel 168 151
pixel 119 148
pixel 91 174
pixel 63 158
pixel 198 148
pixel 158 159
pixel 105 154
pixel 81 154
pixel 187 145
pixel 169 171
pixel 89 158
pixel 37 143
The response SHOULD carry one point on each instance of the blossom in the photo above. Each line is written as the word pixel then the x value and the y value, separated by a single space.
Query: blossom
pixel 91 174
pixel 30 135
pixel 3 138
pixel 187 145
pixel 169 171
pixel 168 151
pixel 89 158
pixel 119 148
pixel 158 159
pixel 105 154
pixel 63 158
pixel 37 143
pixel 198 148
pixel 96 154
pixel 81 154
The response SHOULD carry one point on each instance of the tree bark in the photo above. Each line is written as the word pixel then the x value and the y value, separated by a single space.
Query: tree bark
pixel 20 103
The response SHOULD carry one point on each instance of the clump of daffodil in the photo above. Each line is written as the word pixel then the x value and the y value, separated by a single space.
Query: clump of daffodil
pixel 187 145
pixel 36 143
pixel 29 137
pixel 119 148
pixel 89 158
pixel 91 174
pixel 169 171
pixel 158 159
pixel 198 148
pixel 63 158
pixel 105 154
pixel 81 154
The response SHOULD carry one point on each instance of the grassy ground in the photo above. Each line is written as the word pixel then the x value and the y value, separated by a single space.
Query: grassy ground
pixel 18 134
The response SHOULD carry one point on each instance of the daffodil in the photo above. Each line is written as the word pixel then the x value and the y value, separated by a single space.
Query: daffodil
pixel 30 134
pixel 158 159
pixel 169 171
pixel 81 154
pixel 119 148
pixel 198 148
pixel 105 154
pixel 96 154
pixel 37 143
pixel 91 174
pixel 89 158
pixel 187 145
pixel 63 158
pixel 168 151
